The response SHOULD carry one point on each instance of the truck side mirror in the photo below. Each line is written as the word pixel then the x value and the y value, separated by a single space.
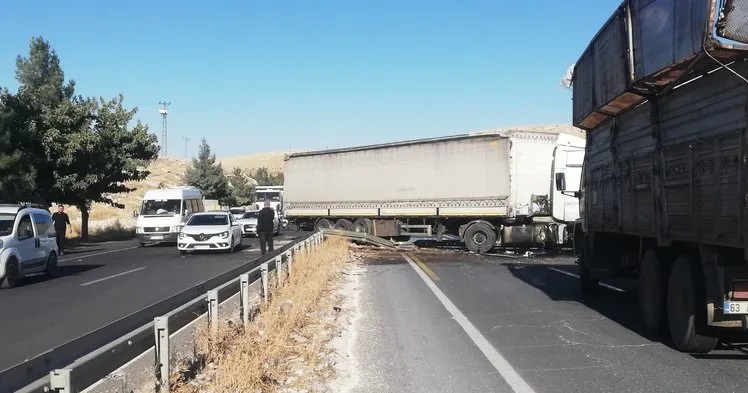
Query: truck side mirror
pixel 561 182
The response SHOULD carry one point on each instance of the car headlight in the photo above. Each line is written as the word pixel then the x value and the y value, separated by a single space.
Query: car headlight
pixel 182 235
pixel 225 234
pixel 175 228
pixel 139 230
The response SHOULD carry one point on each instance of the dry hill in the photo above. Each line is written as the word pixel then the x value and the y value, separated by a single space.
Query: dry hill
pixel 167 171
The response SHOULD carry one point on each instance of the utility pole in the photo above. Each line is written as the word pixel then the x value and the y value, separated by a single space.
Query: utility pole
pixel 164 136
pixel 186 139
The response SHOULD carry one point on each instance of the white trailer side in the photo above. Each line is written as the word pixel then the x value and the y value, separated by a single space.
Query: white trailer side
pixel 498 177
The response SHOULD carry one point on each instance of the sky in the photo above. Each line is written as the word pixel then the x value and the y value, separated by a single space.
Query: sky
pixel 257 76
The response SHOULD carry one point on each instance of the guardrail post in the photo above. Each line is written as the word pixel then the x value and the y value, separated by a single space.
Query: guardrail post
pixel 264 275
pixel 244 295
pixel 279 269
pixel 161 333
pixel 289 261
pixel 213 310
pixel 59 381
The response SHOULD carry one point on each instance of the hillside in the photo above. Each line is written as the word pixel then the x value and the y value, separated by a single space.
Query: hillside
pixel 168 171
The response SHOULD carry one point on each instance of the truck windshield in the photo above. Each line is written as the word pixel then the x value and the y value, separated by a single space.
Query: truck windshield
pixel 268 195
pixel 6 224
pixel 160 207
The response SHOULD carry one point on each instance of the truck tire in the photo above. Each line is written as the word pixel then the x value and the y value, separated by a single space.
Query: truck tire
pixel 363 225
pixel 344 225
pixel 684 303
pixel 322 223
pixel 480 238
pixel 653 289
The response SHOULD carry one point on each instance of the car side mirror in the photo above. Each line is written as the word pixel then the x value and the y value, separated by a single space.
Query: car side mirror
pixel 561 182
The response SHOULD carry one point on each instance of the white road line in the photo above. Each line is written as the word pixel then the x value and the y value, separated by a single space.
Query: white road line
pixel 602 284
pixel 112 276
pixel 501 365
pixel 96 254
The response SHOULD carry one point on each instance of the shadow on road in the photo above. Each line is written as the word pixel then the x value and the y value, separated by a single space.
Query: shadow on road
pixel 621 307
pixel 62 271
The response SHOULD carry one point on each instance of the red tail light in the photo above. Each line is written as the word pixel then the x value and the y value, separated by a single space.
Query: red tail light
pixel 740 290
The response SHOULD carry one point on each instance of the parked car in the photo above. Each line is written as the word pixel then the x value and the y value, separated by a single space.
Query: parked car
pixel 248 223
pixel 238 212
pixel 28 244
pixel 217 231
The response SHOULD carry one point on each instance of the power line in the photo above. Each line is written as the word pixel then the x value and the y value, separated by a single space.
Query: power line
pixel 164 111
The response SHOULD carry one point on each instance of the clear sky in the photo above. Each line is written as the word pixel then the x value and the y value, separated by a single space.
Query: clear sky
pixel 254 76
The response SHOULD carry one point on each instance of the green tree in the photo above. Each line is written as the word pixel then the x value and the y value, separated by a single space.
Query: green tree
pixel 17 173
pixel 97 161
pixel 208 176
pixel 241 188
pixel 263 177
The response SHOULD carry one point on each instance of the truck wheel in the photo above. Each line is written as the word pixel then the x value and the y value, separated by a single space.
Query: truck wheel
pixel 684 303
pixel 363 225
pixel 653 284
pixel 480 238
pixel 344 225
pixel 322 223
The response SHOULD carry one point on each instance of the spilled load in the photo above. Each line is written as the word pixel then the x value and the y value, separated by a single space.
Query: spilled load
pixel 649 46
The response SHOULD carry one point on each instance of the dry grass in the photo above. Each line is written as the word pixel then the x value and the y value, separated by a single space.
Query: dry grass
pixel 164 171
pixel 105 230
pixel 286 346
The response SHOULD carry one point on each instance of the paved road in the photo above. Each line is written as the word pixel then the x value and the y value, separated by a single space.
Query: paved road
pixel 100 284
pixel 540 334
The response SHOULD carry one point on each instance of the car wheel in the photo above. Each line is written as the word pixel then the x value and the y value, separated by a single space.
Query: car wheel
pixel 52 270
pixel 12 273
pixel 231 246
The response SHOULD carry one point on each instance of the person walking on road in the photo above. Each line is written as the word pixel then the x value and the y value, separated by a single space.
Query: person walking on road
pixel 265 227
pixel 61 221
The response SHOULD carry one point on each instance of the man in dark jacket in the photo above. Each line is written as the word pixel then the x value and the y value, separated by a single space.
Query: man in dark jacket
pixel 61 221
pixel 265 227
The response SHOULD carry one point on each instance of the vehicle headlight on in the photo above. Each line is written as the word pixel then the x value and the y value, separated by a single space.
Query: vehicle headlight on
pixel 224 234
pixel 139 230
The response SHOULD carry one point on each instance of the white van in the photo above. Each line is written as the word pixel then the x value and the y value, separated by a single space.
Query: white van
pixel 164 211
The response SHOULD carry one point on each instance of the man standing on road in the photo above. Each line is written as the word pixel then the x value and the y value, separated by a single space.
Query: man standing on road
pixel 61 221
pixel 265 227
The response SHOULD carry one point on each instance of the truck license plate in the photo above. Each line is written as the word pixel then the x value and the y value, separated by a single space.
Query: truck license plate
pixel 732 307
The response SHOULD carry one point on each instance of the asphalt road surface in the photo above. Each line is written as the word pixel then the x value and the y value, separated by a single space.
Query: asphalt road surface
pixel 99 284
pixel 455 322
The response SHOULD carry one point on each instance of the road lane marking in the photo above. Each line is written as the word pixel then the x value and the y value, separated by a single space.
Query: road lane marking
pixel 96 254
pixel 425 268
pixel 602 284
pixel 512 378
pixel 112 276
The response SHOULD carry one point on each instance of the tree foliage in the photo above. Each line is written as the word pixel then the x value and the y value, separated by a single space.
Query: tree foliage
pixel 66 148
pixel 208 176
pixel 263 177
pixel 241 188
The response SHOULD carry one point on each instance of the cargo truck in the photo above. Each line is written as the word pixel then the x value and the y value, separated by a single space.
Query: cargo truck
pixel 487 188
pixel 664 194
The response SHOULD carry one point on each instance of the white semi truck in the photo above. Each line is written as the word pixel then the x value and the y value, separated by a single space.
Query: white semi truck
pixel 487 188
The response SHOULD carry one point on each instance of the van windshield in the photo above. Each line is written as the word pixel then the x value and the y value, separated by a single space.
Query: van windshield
pixel 6 224
pixel 160 207
pixel 268 195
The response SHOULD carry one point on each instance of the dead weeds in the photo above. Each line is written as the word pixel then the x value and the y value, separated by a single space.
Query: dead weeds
pixel 285 348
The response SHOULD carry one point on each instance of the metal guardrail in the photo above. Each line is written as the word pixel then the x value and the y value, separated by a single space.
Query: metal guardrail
pixel 83 361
